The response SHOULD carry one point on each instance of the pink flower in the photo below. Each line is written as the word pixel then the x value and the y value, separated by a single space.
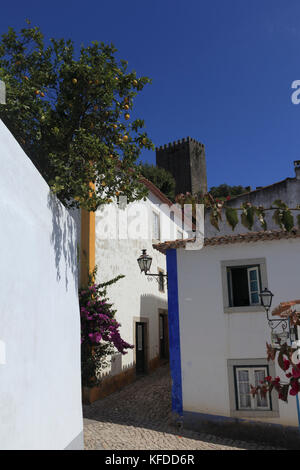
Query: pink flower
pixel 294 388
pixel 95 337
pixel 296 372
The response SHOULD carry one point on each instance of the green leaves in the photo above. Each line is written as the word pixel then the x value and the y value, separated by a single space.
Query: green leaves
pixel 247 216
pixel 231 217
pixel 283 216
pixel 260 213
pixel 74 116
pixel 161 178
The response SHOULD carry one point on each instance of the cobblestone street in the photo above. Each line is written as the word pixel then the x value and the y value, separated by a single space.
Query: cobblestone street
pixel 139 418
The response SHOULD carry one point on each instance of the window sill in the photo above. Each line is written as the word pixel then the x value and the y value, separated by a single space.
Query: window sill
pixel 247 309
pixel 254 414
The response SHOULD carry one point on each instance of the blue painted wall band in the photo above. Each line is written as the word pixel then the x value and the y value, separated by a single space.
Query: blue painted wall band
pixel 174 332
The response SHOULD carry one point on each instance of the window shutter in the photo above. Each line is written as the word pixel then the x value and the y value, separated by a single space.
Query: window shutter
pixel 253 284
pixel 229 282
pixel 155 225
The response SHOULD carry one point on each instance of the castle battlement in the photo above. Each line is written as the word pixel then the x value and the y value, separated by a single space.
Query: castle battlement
pixel 177 143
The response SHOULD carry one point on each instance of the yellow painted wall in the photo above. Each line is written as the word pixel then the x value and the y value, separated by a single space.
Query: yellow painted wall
pixel 87 246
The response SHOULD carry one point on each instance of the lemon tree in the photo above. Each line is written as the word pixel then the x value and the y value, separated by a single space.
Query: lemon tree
pixel 71 111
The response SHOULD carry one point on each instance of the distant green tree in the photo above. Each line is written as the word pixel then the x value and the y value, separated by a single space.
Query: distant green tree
pixel 224 190
pixel 160 177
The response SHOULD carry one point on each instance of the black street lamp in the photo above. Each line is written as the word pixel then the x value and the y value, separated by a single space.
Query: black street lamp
pixel 144 262
pixel 266 297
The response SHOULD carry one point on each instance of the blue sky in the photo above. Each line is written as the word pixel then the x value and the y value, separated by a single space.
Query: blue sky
pixel 221 70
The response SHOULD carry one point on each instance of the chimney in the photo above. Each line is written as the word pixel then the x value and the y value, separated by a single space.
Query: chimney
pixel 297 169
pixel 2 92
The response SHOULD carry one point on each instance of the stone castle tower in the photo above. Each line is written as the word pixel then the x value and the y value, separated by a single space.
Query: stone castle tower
pixel 185 160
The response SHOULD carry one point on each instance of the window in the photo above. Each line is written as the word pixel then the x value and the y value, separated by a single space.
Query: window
pixel 244 377
pixel 155 226
pixel 242 281
pixel 243 285
pixel 241 374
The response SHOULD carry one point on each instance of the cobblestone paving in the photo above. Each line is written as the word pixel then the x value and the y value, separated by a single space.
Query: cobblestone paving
pixel 139 418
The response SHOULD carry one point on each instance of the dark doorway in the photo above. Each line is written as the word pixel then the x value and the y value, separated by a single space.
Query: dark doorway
pixel 140 338
pixel 163 336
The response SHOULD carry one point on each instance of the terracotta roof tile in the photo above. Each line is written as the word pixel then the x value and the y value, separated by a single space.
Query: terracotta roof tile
pixel 248 237
pixel 164 199
pixel 284 308
pixel 151 186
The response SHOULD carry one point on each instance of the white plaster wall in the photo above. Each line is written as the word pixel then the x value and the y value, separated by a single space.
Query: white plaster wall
pixel 136 295
pixel 40 385
pixel 208 336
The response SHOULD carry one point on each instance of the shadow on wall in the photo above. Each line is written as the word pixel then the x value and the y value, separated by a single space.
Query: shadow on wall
pixel 116 366
pixel 149 304
pixel 64 240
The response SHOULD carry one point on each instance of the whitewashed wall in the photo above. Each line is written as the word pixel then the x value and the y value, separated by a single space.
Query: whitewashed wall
pixel 208 336
pixel 136 295
pixel 40 386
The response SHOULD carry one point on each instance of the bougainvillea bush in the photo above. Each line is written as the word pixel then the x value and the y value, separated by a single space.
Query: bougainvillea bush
pixel 286 359
pixel 100 335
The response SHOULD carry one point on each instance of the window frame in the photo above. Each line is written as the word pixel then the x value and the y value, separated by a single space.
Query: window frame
pixel 255 268
pixel 261 412
pixel 226 291
pixel 153 214
pixel 251 369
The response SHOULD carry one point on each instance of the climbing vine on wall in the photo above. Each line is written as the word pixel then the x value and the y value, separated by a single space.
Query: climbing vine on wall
pixel 291 368
pixel 247 213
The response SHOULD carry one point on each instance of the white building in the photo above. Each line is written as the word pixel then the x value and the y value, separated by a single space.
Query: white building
pixel 40 380
pixel 140 300
pixel 219 330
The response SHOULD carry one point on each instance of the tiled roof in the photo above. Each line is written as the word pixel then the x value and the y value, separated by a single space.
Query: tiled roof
pixel 284 308
pixel 248 237
pixel 165 200
pixel 154 189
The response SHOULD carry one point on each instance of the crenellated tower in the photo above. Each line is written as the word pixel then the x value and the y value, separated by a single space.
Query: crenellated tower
pixel 185 160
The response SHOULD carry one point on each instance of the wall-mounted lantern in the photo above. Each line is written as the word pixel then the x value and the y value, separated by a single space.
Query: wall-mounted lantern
pixel 144 262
